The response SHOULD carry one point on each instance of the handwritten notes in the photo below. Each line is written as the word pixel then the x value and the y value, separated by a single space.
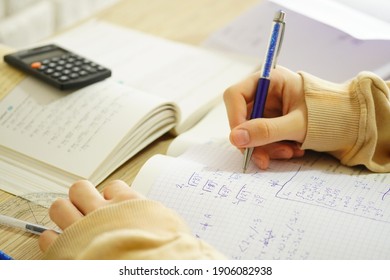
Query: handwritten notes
pixel 68 123
pixel 304 209
pixel 341 189
pixel 75 131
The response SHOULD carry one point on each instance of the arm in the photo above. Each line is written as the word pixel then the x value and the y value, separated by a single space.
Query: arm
pixel 349 120
pixel 121 224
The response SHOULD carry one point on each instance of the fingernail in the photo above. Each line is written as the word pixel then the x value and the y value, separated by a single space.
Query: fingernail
pixel 240 137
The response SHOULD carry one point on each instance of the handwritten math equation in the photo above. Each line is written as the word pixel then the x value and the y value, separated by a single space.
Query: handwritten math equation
pixel 349 193
pixel 225 201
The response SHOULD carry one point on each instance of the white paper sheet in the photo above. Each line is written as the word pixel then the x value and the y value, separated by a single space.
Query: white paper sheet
pixel 308 45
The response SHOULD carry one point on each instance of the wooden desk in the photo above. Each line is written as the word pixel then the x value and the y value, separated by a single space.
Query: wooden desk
pixel 186 21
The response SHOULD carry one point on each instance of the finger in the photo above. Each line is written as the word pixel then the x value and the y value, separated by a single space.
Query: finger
pixel 263 131
pixel 261 158
pixel 64 213
pixel 262 155
pixel 118 190
pixel 278 150
pixel 85 196
pixel 237 98
pixel 46 239
pixel 282 150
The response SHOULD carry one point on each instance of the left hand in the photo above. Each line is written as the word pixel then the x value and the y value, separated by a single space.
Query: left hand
pixel 84 198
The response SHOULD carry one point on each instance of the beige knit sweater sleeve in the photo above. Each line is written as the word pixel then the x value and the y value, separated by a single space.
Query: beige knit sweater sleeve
pixel 351 121
pixel 134 229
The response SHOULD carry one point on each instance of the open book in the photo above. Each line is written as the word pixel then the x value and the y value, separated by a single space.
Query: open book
pixel 51 138
pixel 309 208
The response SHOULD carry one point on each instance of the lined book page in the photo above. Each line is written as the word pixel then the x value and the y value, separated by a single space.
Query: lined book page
pixel 73 132
pixel 192 77
pixel 313 208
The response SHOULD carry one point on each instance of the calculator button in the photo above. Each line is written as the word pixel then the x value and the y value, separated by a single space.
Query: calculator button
pixel 36 65
pixel 49 71
pixel 89 68
pixel 74 75
pixel 63 78
pixel 56 74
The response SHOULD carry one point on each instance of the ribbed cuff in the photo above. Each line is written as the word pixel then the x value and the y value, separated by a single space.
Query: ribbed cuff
pixel 142 215
pixel 333 116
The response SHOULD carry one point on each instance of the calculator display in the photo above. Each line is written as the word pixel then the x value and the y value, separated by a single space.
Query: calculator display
pixel 41 56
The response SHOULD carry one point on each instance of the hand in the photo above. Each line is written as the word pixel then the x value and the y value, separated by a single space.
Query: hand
pixel 84 198
pixel 278 135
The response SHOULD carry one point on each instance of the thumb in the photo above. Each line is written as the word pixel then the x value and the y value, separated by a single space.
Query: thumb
pixel 263 131
pixel 46 239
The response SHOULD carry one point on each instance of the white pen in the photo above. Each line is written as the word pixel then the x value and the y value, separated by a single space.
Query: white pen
pixel 20 224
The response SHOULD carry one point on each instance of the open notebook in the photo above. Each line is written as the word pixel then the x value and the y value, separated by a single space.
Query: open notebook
pixel 309 208
pixel 50 138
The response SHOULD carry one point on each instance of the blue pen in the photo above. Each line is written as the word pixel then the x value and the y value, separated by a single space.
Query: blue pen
pixel 273 49
pixel 4 256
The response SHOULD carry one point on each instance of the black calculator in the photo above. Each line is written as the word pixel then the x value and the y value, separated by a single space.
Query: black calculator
pixel 58 66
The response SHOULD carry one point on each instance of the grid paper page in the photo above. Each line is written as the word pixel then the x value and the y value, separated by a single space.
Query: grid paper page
pixel 299 209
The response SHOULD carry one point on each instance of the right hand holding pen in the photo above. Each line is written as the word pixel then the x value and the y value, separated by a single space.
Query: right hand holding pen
pixel 280 132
